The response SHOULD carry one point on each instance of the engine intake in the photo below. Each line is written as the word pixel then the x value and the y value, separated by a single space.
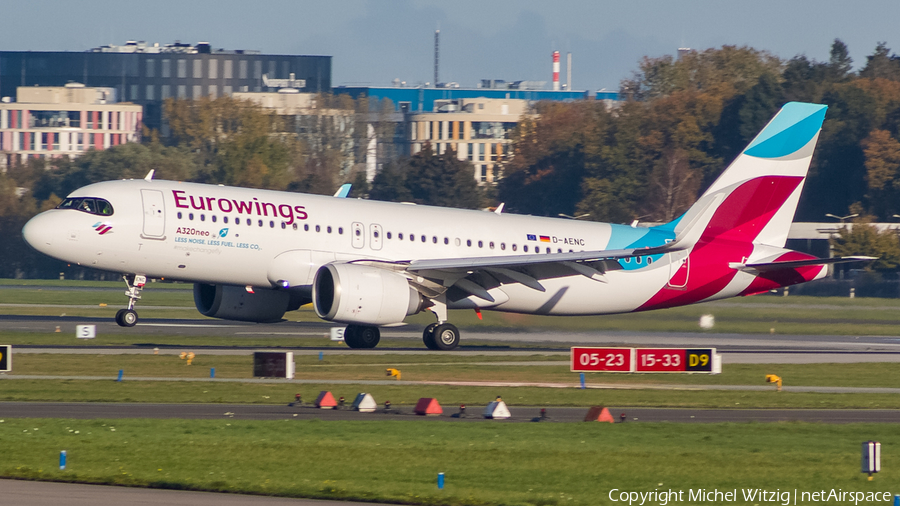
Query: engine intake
pixel 351 293
pixel 232 302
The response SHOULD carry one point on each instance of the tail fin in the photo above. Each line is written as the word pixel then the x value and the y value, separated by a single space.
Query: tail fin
pixel 755 198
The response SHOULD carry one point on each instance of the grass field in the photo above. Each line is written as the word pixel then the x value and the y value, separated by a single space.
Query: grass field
pixel 435 367
pixel 484 464
pixel 448 367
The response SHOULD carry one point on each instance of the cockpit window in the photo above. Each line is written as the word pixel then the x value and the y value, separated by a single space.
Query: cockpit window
pixel 88 205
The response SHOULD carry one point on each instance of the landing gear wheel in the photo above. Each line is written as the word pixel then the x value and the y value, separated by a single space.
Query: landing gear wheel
pixel 350 336
pixel 127 317
pixel 446 336
pixel 361 336
pixel 368 337
pixel 428 337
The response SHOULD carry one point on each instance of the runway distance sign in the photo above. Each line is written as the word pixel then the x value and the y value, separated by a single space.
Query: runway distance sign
pixel 674 360
pixel 273 364
pixel 5 358
pixel 587 359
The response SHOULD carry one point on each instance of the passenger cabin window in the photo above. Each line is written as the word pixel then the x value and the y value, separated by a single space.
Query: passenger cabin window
pixel 99 207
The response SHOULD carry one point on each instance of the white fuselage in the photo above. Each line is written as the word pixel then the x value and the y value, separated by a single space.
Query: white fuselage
pixel 261 238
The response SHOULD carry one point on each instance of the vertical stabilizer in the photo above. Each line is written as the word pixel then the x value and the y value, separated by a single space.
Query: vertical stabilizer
pixel 764 182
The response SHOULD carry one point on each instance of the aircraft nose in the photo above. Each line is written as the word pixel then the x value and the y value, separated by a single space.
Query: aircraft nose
pixel 38 232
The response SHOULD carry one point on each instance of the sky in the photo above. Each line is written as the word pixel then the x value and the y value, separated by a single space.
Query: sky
pixel 373 42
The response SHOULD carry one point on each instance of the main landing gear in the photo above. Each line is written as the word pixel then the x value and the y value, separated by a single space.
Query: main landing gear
pixel 437 336
pixel 361 336
pixel 441 335
pixel 129 317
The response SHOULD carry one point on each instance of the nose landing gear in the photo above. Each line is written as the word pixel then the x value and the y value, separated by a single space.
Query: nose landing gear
pixel 129 317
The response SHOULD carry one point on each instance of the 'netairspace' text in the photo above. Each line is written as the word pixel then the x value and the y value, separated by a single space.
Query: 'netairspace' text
pixel 756 495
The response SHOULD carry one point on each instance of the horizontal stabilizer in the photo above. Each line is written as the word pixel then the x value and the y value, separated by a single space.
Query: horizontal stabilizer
pixel 793 264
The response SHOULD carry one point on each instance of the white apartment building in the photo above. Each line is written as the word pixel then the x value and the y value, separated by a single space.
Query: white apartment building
pixel 53 121
pixel 478 129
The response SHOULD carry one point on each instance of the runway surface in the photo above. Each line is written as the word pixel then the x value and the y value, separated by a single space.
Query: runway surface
pixel 473 413
pixel 43 493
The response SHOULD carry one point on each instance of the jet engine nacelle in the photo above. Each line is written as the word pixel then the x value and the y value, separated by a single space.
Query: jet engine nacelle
pixel 232 302
pixel 351 293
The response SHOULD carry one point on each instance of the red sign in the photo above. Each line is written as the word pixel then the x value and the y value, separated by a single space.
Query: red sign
pixel 602 359
pixel 660 360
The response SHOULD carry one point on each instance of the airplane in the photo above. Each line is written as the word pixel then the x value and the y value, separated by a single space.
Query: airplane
pixel 255 254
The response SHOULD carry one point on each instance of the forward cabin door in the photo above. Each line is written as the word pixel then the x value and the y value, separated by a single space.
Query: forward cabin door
pixel 154 215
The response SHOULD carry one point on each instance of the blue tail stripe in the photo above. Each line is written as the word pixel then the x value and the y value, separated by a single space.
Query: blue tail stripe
pixel 788 132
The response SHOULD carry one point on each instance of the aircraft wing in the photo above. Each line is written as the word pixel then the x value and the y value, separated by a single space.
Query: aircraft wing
pixel 463 273
pixel 470 263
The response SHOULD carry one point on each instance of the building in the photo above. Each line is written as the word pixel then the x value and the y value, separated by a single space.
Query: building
pixel 48 122
pixel 483 117
pixel 148 74
pixel 476 122
pixel 412 100
pixel 336 130
pixel 477 129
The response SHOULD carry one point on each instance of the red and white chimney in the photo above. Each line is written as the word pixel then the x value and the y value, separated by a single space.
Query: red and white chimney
pixel 555 70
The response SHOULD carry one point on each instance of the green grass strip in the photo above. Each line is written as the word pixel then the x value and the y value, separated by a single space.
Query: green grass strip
pixel 484 464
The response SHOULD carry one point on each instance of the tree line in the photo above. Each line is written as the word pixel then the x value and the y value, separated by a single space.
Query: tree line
pixel 679 123
pixel 683 120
